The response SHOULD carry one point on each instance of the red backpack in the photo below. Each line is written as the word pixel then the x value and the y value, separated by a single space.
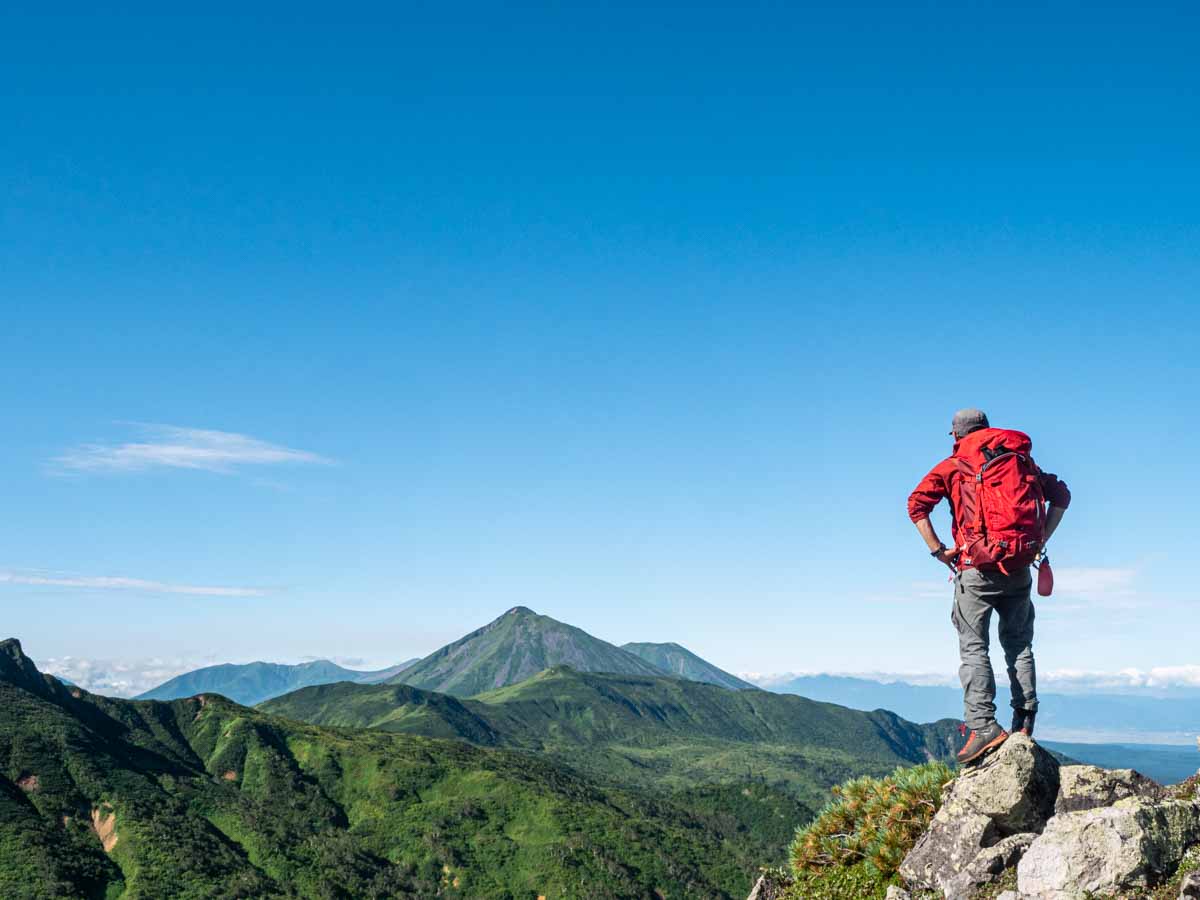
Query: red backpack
pixel 1001 510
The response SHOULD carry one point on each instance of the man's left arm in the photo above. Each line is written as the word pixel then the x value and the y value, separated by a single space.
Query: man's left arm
pixel 1059 496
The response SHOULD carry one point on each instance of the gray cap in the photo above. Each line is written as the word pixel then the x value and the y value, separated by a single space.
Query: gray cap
pixel 968 420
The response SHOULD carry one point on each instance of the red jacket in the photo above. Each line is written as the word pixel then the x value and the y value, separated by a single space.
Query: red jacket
pixel 942 483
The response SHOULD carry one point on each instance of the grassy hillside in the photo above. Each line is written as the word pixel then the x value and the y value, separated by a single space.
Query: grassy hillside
pixel 204 798
pixel 253 683
pixel 683 663
pixel 687 741
pixel 515 647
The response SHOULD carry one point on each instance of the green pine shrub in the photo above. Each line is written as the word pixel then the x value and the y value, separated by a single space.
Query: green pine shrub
pixel 859 839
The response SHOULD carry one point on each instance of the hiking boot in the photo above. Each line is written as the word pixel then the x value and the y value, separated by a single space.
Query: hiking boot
pixel 1023 721
pixel 980 742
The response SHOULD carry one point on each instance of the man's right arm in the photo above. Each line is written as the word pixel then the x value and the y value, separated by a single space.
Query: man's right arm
pixel 931 491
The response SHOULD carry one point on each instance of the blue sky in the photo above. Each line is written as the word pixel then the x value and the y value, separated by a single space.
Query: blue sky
pixel 337 332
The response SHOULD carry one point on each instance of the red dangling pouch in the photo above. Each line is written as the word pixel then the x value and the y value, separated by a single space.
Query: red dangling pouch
pixel 1045 578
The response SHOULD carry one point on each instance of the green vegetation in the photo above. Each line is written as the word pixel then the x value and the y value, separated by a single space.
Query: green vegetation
pixel 686 742
pixel 204 798
pixel 855 845
pixel 683 663
pixel 566 784
pixel 255 682
pixel 515 647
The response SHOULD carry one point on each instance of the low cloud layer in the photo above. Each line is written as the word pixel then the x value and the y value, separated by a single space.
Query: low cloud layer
pixel 1157 678
pixel 118 678
pixel 120 583
pixel 130 677
pixel 169 446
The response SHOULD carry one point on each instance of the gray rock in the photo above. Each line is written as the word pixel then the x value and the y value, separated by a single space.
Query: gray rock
pixel 1103 851
pixel 1016 786
pixel 1012 791
pixel 1089 787
pixel 952 840
pixel 897 893
pixel 1008 895
pixel 987 866
pixel 1189 888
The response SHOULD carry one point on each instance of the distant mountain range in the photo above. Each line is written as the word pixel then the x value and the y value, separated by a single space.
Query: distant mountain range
pixel 1085 718
pixel 512 648
pixel 683 663
pixel 255 682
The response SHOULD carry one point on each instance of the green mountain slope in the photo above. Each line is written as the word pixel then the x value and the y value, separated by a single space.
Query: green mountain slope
pixel 202 798
pixel 704 747
pixel 515 647
pixel 255 682
pixel 683 663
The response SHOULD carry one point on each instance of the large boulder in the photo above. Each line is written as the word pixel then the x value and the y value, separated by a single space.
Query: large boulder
pixel 1130 845
pixel 1090 787
pixel 1016 786
pixel 1010 792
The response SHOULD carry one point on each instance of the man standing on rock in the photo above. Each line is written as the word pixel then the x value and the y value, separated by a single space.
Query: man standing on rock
pixel 1000 524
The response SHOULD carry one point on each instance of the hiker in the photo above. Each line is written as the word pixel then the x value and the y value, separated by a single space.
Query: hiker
pixel 1000 525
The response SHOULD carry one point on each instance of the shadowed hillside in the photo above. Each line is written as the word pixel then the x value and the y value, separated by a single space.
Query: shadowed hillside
pixel 683 663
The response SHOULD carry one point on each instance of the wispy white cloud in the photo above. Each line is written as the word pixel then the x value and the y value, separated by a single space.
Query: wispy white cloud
pixel 119 583
pixel 169 446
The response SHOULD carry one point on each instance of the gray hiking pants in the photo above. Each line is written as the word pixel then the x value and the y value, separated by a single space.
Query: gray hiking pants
pixel 976 594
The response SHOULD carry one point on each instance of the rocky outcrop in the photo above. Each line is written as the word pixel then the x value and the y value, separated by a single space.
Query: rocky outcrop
pixel 1010 794
pixel 1090 787
pixel 1134 844
pixel 1071 831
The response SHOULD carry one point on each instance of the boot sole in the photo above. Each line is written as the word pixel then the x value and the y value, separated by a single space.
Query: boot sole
pixel 995 742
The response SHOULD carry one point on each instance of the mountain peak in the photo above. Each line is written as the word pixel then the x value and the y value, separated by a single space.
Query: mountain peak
pixel 514 647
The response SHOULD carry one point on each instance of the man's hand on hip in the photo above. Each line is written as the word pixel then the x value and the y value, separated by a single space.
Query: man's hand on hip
pixel 949 556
